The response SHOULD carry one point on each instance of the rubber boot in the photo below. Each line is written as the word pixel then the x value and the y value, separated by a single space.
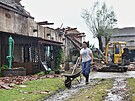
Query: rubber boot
pixel 87 79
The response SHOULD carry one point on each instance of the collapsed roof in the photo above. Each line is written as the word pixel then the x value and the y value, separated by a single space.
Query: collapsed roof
pixel 14 5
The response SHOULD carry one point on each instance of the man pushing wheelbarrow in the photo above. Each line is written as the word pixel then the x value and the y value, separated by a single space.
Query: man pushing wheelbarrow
pixel 86 56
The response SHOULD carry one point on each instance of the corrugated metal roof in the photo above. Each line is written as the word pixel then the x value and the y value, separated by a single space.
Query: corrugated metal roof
pixel 124 28
pixel 123 35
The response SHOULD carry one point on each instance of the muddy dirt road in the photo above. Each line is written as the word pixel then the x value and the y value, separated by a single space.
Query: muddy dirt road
pixel 67 93
pixel 118 92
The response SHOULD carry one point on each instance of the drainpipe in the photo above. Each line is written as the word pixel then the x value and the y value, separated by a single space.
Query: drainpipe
pixel 11 49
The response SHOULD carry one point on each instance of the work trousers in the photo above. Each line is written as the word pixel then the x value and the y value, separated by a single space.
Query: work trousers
pixel 86 69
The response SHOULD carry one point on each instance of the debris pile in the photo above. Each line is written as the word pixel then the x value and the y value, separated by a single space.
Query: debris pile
pixel 98 64
pixel 131 67
pixel 10 82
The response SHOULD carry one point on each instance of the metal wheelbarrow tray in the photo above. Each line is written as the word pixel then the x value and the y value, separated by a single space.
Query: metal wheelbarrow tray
pixel 70 77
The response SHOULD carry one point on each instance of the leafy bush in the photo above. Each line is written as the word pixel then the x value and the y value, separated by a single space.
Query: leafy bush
pixel 2 68
pixel 58 56
pixel 41 73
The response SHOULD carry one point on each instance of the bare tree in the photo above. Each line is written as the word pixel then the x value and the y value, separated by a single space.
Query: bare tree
pixel 100 21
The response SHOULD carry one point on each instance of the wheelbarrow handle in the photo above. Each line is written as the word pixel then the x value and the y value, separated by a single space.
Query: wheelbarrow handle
pixel 76 64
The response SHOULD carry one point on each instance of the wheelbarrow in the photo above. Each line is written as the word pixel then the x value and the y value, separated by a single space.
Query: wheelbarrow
pixel 72 75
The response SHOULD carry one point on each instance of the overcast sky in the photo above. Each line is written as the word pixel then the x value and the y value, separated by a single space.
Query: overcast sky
pixel 68 12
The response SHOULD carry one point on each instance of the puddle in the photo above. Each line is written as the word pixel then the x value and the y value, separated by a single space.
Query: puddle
pixel 127 74
pixel 119 90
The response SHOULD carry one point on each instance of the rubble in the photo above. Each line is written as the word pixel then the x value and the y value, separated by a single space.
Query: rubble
pixel 98 64
pixel 131 67
pixel 5 86
pixel 10 82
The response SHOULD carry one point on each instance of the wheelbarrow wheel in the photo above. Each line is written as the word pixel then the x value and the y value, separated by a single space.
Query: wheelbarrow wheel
pixel 68 83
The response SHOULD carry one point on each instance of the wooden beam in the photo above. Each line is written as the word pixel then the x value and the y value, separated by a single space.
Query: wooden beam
pixel 70 29
pixel 44 23
pixel 77 33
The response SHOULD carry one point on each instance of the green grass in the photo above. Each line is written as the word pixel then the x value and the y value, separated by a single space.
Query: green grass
pixel 93 93
pixel 17 94
pixel 131 84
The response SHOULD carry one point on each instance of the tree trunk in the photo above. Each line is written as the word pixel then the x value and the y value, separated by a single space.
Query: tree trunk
pixel 106 41
pixel 100 43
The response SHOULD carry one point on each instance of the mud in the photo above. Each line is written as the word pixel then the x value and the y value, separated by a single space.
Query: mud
pixel 66 94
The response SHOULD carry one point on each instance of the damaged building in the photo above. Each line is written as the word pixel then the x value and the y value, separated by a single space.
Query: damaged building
pixel 73 43
pixel 33 42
